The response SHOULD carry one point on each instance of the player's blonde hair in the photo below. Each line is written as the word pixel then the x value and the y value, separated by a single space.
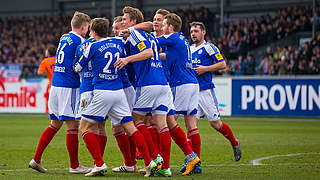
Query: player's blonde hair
pixel 163 12
pixel 134 13
pixel 197 23
pixel 117 19
pixel 79 18
pixel 174 20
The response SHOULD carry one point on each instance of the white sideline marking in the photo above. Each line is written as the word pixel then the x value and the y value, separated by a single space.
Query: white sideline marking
pixel 256 162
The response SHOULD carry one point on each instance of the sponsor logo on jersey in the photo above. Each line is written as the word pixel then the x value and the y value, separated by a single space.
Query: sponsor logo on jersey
pixel 218 56
pixel 141 46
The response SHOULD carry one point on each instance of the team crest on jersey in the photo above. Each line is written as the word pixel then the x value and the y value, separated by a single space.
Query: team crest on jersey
pixel 141 46
pixel 218 56
pixel 200 51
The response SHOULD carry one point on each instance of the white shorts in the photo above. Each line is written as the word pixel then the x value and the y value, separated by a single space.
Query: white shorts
pixel 112 103
pixel 85 98
pixel 208 105
pixel 131 96
pixel 186 98
pixel 63 103
pixel 171 108
pixel 154 98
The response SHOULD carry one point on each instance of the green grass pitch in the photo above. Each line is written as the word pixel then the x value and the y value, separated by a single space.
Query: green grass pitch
pixel 19 135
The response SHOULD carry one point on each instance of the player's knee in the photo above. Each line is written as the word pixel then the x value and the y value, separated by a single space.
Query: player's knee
pixel 56 123
pixel 72 124
pixel 216 124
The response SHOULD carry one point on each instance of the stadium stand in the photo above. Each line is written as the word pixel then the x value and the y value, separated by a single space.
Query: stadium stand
pixel 24 39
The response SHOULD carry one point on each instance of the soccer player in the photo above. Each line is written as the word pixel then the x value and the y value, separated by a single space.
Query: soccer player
pixel 64 95
pixel 125 145
pixel 108 96
pixel 183 82
pixel 208 58
pixel 152 90
pixel 86 92
pixel 176 132
pixel 47 66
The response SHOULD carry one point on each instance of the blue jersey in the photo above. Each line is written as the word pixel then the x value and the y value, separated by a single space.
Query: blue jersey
pixel 124 78
pixel 103 54
pixel 205 54
pixel 63 75
pixel 164 62
pixel 87 76
pixel 178 57
pixel 149 71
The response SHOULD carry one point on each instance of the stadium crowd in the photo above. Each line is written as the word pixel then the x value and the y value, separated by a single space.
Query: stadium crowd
pixel 24 40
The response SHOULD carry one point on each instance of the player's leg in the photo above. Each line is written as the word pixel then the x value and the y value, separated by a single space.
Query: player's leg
pixel 226 131
pixel 124 146
pixel 88 131
pixel 72 142
pixel 186 100
pixel 102 137
pixel 152 129
pixel 120 115
pixel 140 142
pixel 209 103
pixel 94 113
pixel 45 139
pixel 138 120
pixel 48 133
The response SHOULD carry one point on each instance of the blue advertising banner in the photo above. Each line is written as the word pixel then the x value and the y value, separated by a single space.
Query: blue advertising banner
pixel 279 97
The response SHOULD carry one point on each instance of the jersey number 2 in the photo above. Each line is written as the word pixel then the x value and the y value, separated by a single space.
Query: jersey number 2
pixel 108 55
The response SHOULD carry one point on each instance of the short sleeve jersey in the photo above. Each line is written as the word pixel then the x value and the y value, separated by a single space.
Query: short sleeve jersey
pixel 205 54
pixel 149 71
pixel 63 75
pixel 87 76
pixel 178 57
pixel 47 66
pixel 103 54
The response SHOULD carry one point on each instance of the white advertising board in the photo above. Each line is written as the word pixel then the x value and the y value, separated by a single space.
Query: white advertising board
pixel 223 92
pixel 24 97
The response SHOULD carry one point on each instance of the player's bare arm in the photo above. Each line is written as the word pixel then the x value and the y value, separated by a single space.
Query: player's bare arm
pixel 214 67
pixel 146 54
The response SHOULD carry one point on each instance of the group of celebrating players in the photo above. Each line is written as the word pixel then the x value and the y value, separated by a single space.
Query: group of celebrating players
pixel 141 81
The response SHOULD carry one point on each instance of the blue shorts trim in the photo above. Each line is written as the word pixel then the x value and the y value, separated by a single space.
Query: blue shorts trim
pixel 53 117
pixel 143 109
pixel 126 119
pixel 162 108
pixel 193 112
pixel 172 112
pixel 65 118
pixel 149 114
pixel 78 119
pixel 182 112
pixel 95 118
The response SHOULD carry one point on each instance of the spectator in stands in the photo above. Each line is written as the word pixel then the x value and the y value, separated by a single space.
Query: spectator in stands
pixel 283 66
pixel 250 65
pixel 264 66
pixel 239 66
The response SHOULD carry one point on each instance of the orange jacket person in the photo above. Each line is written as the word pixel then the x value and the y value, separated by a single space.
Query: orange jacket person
pixel 47 66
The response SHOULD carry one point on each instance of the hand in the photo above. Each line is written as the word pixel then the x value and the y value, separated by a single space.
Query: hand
pixel 120 63
pixel 200 69
pixel 125 33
